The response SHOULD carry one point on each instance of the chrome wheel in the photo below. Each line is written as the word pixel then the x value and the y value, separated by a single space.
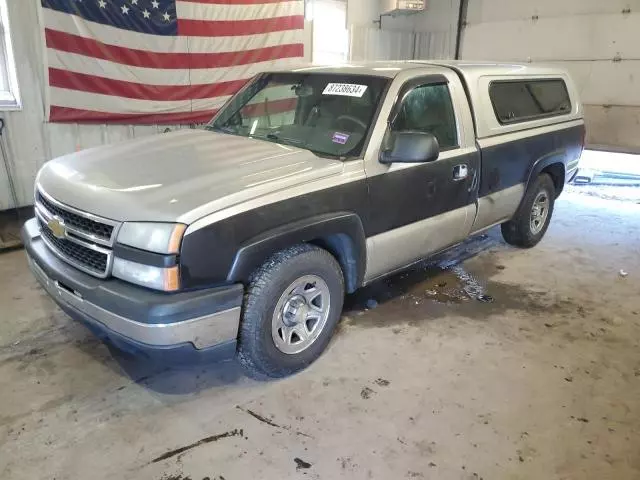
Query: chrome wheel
pixel 300 314
pixel 539 212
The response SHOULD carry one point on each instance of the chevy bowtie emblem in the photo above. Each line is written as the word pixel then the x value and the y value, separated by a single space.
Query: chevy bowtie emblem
pixel 56 225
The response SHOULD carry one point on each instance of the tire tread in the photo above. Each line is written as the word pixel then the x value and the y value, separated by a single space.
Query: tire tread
pixel 251 352
pixel 517 231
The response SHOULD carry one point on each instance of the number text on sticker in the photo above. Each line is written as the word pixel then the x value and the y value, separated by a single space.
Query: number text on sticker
pixel 345 89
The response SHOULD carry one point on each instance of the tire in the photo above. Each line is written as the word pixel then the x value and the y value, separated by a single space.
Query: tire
pixel 521 231
pixel 265 350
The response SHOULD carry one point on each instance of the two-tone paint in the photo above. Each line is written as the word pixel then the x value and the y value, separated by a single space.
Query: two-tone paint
pixel 400 213
pixel 245 199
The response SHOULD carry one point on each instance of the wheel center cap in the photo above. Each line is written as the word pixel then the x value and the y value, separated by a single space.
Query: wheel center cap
pixel 537 211
pixel 294 311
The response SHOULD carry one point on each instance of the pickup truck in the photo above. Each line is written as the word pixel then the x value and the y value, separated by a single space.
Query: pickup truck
pixel 242 238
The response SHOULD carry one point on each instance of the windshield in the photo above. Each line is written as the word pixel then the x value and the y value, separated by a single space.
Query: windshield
pixel 328 114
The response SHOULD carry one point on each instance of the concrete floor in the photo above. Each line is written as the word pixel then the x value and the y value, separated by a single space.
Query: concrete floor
pixel 543 383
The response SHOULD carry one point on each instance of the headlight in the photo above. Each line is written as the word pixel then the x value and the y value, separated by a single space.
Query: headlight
pixel 158 278
pixel 152 237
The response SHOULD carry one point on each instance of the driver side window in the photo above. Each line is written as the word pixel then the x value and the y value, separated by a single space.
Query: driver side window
pixel 428 108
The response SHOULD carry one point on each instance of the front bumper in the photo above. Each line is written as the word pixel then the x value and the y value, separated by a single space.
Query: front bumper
pixel 135 318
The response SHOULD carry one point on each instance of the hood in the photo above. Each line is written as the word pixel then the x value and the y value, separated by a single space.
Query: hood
pixel 180 176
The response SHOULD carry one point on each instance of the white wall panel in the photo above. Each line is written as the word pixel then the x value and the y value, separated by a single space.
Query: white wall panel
pixel 614 127
pixel 606 82
pixel 144 130
pixel 489 11
pixel 597 41
pixel 63 139
pixel 579 37
pixel 24 132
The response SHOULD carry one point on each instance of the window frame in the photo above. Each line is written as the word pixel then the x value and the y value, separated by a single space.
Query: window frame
pixel 424 81
pixel 10 99
pixel 530 118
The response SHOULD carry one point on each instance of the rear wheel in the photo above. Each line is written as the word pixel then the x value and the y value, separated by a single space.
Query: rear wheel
pixel 291 308
pixel 531 221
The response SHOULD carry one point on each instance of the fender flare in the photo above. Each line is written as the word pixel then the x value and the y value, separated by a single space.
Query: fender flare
pixel 555 157
pixel 341 233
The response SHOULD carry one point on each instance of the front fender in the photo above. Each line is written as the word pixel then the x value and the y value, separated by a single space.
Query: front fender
pixel 342 233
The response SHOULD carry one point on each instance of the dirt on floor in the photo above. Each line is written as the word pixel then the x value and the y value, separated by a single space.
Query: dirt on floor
pixel 487 362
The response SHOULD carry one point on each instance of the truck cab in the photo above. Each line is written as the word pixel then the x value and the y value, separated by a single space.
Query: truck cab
pixel 243 237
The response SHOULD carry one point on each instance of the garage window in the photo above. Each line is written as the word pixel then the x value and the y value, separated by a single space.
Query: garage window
pixel 525 100
pixel 9 94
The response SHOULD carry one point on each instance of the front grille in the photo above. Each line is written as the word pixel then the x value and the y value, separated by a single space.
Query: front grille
pixel 86 241
pixel 73 220
pixel 76 253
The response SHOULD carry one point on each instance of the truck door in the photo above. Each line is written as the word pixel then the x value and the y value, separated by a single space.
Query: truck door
pixel 418 209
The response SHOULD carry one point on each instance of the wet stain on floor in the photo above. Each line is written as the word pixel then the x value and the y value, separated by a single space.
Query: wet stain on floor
pixel 458 282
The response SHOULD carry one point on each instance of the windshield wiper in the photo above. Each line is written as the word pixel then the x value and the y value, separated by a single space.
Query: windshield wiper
pixel 290 141
pixel 217 128
pixel 300 144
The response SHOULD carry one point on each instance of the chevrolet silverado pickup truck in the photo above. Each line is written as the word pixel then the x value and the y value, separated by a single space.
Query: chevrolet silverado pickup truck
pixel 242 238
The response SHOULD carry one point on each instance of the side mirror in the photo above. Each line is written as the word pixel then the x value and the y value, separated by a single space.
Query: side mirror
pixel 410 147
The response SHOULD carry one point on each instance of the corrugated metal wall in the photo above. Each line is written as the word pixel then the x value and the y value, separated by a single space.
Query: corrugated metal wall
pixel 30 141
pixel 371 43
pixel 597 41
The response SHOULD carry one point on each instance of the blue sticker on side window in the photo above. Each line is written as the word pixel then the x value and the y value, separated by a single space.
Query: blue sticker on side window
pixel 340 138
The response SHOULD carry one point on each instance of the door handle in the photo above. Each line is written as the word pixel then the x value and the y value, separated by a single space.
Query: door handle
pixel 460 172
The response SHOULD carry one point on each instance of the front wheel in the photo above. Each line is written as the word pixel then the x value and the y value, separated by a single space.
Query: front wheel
pixel 532 219
pixel 291 309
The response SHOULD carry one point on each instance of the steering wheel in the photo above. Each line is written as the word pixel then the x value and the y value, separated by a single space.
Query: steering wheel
pixel 353 120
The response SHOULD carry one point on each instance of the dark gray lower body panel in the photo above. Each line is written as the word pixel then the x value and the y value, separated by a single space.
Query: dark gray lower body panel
pixel 134 316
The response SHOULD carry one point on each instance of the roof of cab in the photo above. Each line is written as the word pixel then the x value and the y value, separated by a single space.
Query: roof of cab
pixel 379 69
pixel 468 68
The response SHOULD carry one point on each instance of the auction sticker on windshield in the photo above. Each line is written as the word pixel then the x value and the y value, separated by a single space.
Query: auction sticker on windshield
pixel 345 90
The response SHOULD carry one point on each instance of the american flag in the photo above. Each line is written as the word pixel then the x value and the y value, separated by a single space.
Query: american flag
pixel 161 61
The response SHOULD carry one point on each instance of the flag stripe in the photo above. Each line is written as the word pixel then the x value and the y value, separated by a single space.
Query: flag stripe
pixel 158 76
pixel 116 104
pixel 273 107
pixel 65 23
pixel 79 115
pixel 109 103
pixel 204 28
pixel 211 11
pixel 106 86
pixel 140 58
